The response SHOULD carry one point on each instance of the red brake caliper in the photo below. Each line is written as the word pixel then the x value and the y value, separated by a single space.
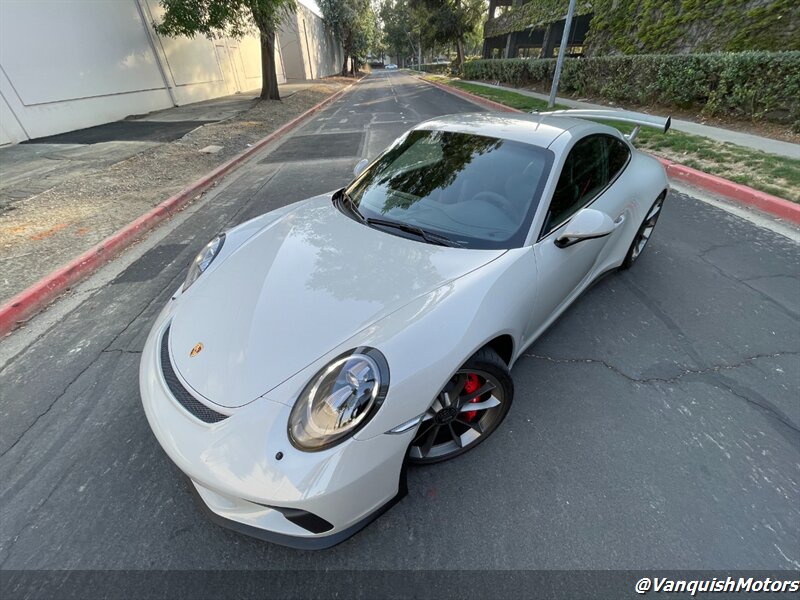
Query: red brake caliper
pixel 473 383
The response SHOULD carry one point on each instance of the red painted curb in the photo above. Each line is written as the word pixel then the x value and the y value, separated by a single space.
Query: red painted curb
pixel 768 203
pixel 33 299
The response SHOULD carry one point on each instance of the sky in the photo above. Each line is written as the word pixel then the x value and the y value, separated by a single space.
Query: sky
pixel 312 4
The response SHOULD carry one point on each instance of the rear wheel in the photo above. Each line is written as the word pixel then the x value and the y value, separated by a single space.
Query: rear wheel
pixel 645 231
pixel 467 411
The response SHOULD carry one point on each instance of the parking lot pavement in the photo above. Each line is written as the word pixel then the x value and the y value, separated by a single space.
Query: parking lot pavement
pixel 655 424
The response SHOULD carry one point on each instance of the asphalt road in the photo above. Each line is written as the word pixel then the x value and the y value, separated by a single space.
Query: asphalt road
pixel 655 424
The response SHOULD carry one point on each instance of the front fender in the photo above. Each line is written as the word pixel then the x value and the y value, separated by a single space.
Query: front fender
pixel 238 235
pixel 428 340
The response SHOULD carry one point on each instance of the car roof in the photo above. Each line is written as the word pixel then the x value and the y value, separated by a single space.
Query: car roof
pixel 530 128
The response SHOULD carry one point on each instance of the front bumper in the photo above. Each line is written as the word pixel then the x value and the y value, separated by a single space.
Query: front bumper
pixel 302 499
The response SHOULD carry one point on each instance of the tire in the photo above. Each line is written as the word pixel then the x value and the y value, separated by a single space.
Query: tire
pixel 450 427
pixel 644 232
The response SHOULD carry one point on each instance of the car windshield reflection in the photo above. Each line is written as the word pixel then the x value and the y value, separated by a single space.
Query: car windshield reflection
pixel 476 191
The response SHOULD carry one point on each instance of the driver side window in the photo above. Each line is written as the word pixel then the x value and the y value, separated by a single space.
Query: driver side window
pixel 585 174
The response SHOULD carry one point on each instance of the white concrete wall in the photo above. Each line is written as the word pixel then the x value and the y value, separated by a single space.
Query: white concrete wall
pixel 71 64
pixel 308 49
pixel 95 61
pixel 324 52
pixel 198 68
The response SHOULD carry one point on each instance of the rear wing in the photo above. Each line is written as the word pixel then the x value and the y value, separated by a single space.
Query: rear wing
pixel 625 116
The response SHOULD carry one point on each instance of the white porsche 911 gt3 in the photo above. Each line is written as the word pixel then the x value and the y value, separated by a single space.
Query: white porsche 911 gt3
pixel 315 350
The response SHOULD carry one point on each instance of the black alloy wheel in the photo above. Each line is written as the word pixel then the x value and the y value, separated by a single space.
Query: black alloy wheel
pixel 467 411
pixel 645 231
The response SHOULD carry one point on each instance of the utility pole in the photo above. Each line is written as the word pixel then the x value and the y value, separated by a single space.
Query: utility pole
pixel 419 48
pixel 562 50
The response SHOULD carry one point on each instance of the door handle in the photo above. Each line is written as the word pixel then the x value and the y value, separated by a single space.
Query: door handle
pixel 619 220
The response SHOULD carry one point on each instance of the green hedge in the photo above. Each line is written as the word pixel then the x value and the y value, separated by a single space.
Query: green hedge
pixel 437 68
pixel 757 85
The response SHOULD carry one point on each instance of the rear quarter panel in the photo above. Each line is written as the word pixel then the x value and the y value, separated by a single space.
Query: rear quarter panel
pixel 640 183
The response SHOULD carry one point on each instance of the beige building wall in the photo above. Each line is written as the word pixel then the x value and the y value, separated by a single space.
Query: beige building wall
pixel 308 49
pixel 93 62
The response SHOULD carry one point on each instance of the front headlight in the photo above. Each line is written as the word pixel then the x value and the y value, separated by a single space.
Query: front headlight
pixel 339 400
pixel 203 260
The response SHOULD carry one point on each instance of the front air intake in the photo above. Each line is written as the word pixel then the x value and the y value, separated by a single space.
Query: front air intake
pixel 180 393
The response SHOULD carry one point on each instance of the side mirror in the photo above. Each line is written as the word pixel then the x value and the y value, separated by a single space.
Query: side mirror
pixel 360 166
pixel 587 224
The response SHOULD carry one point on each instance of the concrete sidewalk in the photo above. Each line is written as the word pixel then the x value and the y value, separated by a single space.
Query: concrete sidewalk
pixel 719 134
pixel 38 165
pixel 225 107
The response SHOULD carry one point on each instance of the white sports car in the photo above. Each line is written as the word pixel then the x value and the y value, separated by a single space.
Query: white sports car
pixel 314 351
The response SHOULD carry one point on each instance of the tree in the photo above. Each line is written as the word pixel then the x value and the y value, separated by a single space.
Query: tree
pixel 367 37
pixel 406 29
pixel 234 18
pixel 353 22
pixel 452 20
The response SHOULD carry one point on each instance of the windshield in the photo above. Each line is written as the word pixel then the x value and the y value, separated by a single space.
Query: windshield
pixel 476 191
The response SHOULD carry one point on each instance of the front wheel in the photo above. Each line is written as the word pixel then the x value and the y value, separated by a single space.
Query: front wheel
pixel 645 231
pixel 467 411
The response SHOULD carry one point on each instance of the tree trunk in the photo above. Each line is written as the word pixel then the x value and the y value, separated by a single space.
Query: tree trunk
pixel 459 52
pixel 347 47
pixel 269 76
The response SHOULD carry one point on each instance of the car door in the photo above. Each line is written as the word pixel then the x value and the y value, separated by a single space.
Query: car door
pixel 591 166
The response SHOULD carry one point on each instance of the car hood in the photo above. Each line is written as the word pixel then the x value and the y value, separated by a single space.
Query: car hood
pixel 294 291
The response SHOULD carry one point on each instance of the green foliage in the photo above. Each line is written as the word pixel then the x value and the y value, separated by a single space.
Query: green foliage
pixel 407 24
pixel 666 26
pixel 215 18
pixel 450 21
pixel 758 85
pixel 235 18
pixel 436 68
pixel 367 37
pixel 535 13
pixel 353 22
pixel 399 26
pixel 513 99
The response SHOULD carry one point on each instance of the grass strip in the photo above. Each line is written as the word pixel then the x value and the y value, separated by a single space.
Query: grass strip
pixel 776 175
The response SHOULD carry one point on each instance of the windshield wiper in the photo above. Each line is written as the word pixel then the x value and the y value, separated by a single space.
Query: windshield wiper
pixel 351 205
pixel 428 236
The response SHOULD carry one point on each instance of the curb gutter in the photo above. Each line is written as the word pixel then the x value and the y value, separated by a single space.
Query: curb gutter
pixel 32 300
pixel 742 194
pixel 784 209
pixel 475 99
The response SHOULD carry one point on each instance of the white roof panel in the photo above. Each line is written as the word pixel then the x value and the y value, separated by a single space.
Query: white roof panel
pixel 530 128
